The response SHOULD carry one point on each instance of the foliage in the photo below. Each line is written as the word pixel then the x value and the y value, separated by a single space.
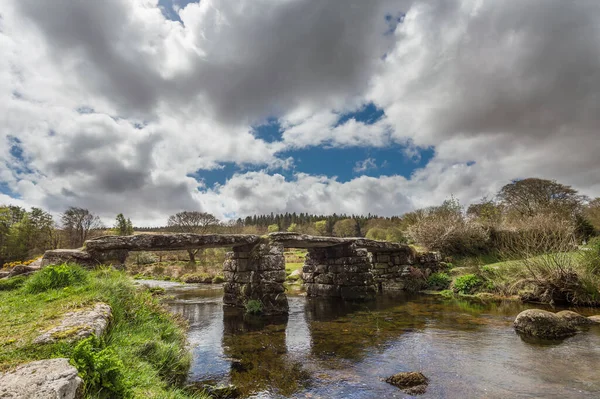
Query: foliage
pixel 145 258
pixel 345 228
pixel 591 212
pixel 392 234
pixel 123 226
pixel 254 306
pixel 54 277
pixel 321 227
pixel 532 196
pixel 467 284
pixel 445 229
pixel 439 281
pixel 218 279
pixel 100 368
pixel 293 227
pixel 78 223
pixel 273 228
pixel 12 283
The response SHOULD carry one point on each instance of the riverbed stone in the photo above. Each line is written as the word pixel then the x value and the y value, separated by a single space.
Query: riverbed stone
pixel 574 319
pixel 412 382
pixel 43 379
pixel 595 319
pixel 542 324
pixel 78 325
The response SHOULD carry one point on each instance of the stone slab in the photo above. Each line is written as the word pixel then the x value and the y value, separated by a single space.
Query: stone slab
pixel 78 325
pixel 168 242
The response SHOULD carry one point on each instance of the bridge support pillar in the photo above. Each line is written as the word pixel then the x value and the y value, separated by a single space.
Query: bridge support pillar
pixel 256 272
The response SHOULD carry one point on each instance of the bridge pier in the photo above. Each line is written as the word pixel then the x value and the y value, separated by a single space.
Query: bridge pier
pixel 256 272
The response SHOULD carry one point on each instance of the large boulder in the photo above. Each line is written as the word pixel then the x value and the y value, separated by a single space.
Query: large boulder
pixel 543 324
pixel 413 383
pixel 574 319
pixel 59 256
pixel 44 379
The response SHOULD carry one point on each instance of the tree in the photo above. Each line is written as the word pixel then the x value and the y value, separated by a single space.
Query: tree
pixel 78 223
pixel 345 228
pixel 273 228
pixel 529 197
pixel 292 228
pixel 192 222
pixel 485 212
pixel 321 227
pixel 123 226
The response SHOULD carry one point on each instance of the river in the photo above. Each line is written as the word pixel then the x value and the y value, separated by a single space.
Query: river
pixel 331 349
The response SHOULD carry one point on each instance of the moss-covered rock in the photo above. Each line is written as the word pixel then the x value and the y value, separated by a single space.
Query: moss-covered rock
pixel 574 319
pixel 412 382
pixel 543 324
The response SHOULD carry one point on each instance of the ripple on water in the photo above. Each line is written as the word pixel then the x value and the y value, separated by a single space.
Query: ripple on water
pixel 331 349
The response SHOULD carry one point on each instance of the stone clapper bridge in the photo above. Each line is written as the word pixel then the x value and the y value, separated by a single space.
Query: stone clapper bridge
pixel 346 268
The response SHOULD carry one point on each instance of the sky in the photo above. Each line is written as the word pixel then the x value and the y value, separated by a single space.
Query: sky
pixel 151 107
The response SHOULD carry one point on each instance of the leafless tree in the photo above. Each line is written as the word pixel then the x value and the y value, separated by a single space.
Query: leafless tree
pixel 78 223
pixel 192 222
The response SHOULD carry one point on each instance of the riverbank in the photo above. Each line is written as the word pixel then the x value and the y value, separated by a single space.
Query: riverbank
pixel 144 353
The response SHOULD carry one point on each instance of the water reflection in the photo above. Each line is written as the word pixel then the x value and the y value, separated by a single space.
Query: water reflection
pixel 331 349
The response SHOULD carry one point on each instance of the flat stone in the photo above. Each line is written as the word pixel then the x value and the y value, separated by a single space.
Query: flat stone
pixel 297 240
pixel 59 256
pixel 78 325
pixel 542 324
pixel 43 379
pixel 168 242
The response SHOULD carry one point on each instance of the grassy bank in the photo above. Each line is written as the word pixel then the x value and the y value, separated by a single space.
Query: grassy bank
pixel 143 355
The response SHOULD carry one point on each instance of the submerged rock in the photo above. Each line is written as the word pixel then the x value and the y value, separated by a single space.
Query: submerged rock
pixel 413 383
pixel 78 325
pixel 574 319
pixel 44 379
pixel 543 324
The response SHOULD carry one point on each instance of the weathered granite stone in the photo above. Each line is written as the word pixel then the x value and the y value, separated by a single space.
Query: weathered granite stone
pixel 169 242
pixel 78 325
pixel 22 269
pixel 574 319
pixel 4 273
pixel 43 379
pixel 413 383
pixel 542 324
pixel 358 292
pixel 58 256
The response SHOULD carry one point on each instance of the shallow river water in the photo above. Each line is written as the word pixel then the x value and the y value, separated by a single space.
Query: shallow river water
pixel 331 349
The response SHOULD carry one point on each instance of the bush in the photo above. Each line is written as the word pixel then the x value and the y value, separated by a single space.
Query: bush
pixel 467 284
pixel 56 276
pixel 254 306
pixel 218 279
pixel 439 281
pixel 100 368
pixel 145 258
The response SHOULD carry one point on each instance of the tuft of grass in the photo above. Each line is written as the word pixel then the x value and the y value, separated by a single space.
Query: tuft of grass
pixel 146 344
pixel 12 283
pixel 54 277
pixel 438 281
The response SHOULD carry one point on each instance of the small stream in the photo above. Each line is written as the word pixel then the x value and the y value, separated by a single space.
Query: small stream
pixel 331 349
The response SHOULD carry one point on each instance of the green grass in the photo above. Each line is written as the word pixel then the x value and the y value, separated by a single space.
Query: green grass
pixel 148 341
pixel 291 267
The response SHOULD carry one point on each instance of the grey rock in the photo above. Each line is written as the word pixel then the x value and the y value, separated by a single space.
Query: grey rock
pixel 413 383
pixel 542 324
pixel 171 242
pixel 574 319
pixel 59 256
pixel 22 269
pixel 78 325
pixel 43 379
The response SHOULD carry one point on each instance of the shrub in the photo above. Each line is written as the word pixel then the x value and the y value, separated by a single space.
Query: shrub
pixel 56 276
pixel 254 306
pixel 467 284
pixel 145 258
pixel 218 279
pixel 100 368
pixel 439 281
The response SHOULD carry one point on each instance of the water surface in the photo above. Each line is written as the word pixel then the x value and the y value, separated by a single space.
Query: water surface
pixel 331 349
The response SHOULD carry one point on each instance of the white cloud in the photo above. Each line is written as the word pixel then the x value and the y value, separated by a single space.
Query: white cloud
pixel 362 166
pixel 512 86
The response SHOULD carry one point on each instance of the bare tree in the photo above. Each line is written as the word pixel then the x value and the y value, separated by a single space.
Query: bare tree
pixel 78 223
pixel 192 222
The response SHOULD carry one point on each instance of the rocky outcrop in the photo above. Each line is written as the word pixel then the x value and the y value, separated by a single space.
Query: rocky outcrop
pixel 574 319
pixel 79 325
pixel 44 379
pixel 19 270
pixel 543 324
pixel 413 383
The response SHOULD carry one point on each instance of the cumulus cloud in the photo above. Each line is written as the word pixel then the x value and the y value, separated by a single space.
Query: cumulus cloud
pixel 114 106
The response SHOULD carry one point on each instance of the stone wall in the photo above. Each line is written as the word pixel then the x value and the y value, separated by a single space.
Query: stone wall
pixel 403 270
pixel 256 272
pixel 342 271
